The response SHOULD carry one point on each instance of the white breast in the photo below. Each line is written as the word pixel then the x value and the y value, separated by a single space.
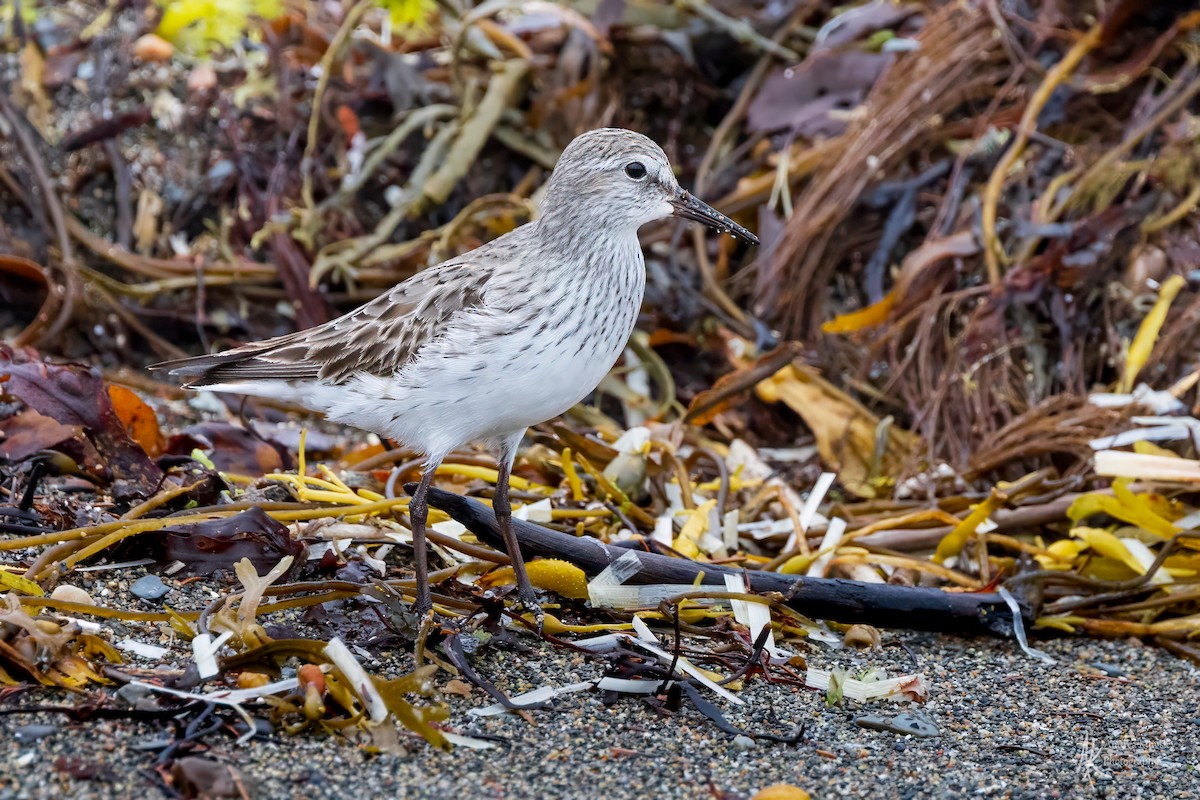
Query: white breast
pixel 497 372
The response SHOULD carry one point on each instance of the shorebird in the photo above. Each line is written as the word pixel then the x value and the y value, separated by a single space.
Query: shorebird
pixel 480 347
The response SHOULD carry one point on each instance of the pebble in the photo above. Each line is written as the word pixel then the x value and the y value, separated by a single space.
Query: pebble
pixel 152 47
pixel 138 697
pixel 1108 669
pixel 149 587
pixel 911 723
pixel 743 742
pixel 31 733
pixel 202 78
pixel 71 594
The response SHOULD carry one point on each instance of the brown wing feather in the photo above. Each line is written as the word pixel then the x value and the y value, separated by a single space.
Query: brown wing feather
pixel 377 338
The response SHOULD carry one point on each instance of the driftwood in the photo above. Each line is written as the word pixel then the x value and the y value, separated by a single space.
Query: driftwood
pixel 845 601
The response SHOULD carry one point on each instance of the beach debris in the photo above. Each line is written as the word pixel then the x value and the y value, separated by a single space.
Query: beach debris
pixel 906 723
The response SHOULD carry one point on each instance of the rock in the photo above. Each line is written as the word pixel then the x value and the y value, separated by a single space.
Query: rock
pixel 742 742
pixel 202 78
pixel 153 47
pixel 911 723
pixel 150 587
pixel 72 594
pixel 31 733
pixel 138 697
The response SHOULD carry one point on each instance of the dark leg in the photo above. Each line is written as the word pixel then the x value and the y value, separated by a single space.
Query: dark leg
pixel 503 509
pixel 418 513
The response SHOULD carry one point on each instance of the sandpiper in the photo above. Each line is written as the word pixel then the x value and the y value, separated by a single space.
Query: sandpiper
pixel 480 347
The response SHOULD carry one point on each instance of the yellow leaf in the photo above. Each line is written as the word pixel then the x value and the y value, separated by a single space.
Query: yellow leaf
pixel 552 574
pixel 1103 568
pixel 1058 623
pixel 18 584
pixel 91 646
pixel 491 476
pixel 1151 449
pixel 1145 510
pixel 852 441
pixel 572 476
pixel 1061 554
pixel 952 543
pixel 1147 335
pixel 409 13
pixel 797 565
pixel 869 317
pixel 203 25
pixel 1108 545
pixel 687 547
pixel 1183 562
pixel 697 524
pixel 781 791
pixel 736 483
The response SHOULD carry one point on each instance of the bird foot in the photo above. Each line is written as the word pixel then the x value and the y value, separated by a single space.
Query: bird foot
pixel 422 607
pixel 527 602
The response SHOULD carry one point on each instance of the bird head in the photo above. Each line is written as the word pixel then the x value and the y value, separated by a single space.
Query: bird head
pixel 617 178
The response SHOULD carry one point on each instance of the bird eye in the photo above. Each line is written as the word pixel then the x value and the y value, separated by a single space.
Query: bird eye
pixel 635 170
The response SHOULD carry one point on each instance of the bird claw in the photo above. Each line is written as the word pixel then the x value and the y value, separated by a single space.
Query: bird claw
pixel 527 602
pixel 422 607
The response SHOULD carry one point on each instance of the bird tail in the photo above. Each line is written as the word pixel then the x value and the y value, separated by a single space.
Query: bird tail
pixel 240 364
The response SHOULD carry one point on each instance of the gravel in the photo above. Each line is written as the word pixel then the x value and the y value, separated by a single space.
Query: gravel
pixel 1109 719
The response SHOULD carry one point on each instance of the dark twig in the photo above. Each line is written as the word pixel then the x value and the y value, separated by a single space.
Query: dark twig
pixel 714 714
pixel 847 601
pixel 452 647
pixel 120 172
pixel 44 188
pixel 755 659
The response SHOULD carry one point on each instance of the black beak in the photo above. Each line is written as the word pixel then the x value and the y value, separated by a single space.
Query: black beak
pixel 689 207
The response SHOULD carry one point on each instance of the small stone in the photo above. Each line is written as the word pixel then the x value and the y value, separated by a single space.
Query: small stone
pixel 72 594
pixel 153 47
pixel 252 680
pixel 908 723
pixel 219 173
pixel 202 78
pixel 1108 670
pixel 149 587
pixel 915 723
pixel 138 697
pixel 159 742
pixel 742 742
pixel 31 733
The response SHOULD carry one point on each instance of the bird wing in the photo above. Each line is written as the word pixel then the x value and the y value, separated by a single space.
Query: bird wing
pixel 377 338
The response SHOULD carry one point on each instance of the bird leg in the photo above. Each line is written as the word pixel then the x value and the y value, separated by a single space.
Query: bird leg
pixel 418 514
pixel 503 509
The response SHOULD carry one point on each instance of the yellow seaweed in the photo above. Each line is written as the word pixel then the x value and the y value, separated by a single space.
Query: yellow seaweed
pixel 1146 510
pixel 1147 335
pixel 954 541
